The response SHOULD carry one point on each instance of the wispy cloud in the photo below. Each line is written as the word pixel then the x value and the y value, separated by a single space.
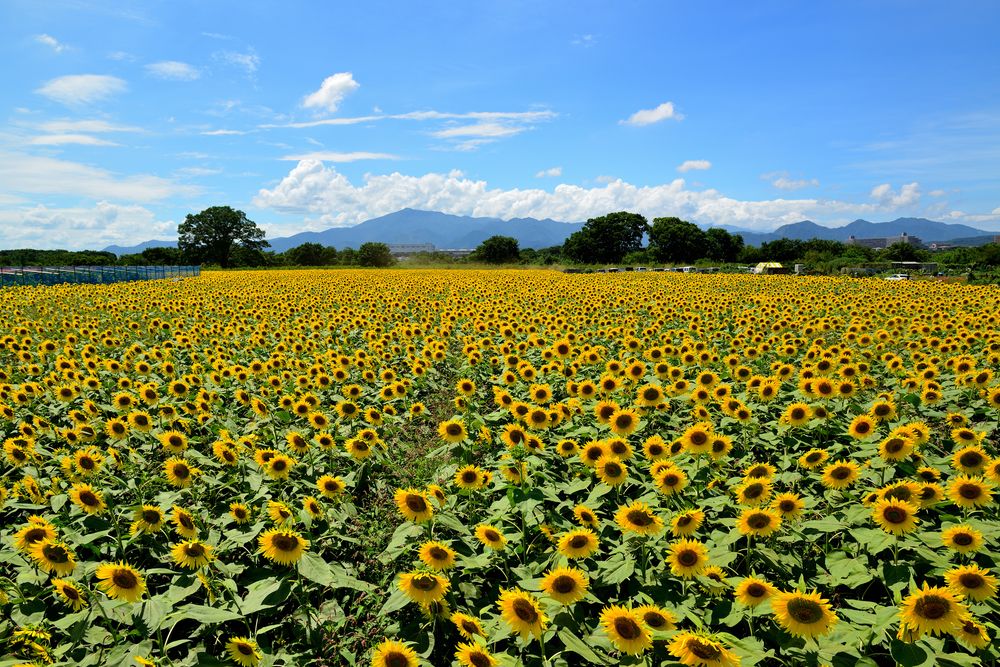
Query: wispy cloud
pixel 480 130
pixel 173 70
pixel 331 92
pixel 248 62
pixel 63 139
pixel 224 133
pixel 94 126
pixel 82 89
pixel 51 42
pixel 692 165
pixel 333 156
pixel 217 35
pixel 782 181
pixel 552 172
pixel 585 41
pixel 658 114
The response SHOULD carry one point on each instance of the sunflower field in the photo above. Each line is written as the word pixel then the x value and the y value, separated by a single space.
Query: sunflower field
pixel 499 468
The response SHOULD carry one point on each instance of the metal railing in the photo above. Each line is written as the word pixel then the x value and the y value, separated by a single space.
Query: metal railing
pixel 90 275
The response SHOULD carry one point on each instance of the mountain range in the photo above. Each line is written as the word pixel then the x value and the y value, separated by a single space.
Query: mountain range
pixel 457 231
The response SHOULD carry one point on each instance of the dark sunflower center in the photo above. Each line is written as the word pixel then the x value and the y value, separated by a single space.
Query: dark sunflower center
pixel 753 491
pixel 699 438
pixel 181 471
pixel 88 498
pixel 895 514
pixel 758 521
pixel 862 427
pixel 971 580
pixel 186 522
pixel 453 430
pixel 594 453
pixel 416 503
pixel 756 590
pixel 176 441
pixel 612 469
pixel 578 541
pixel 962 539
pixel 971 459
pixel 56 553
pixel 805 611
pixel 707 652
pixel 813 457
pixel 970 491
pixel 330 485
pixel 479 659
pixel 627 628
pixel 623 421
pixel 787 506
pixel 470 627
pixel 654 619
pixel 671 479
pixel 70 593
pixel 932 607
pixel 194 550
pixel 524 610
pixel 285 542
pixel 684 520
pixel 840 472
pixel 894 445
pixel 655 449
pixel 651 394
pixel 470 477
pixel 564 584
pixel 437 553
pixel 279 465
pixel 639 518
pixel 882 410
pixel 425 583
pixel 124 579
pixel 244 649
pixel 688 558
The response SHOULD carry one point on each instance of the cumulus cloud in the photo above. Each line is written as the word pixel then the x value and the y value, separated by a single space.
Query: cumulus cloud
pixel 937 193
pixel 63 139
pixel 331 156
pixel 82 89
pixel 691 165
pixel 173 70
pixel 331 92
pixel 316 190
pixel 907 195
pixel 549 173
pixel 661 113
pixel 93 228
pixel 51 42
pixel 248 62
pixel 35 174
pixel 782 181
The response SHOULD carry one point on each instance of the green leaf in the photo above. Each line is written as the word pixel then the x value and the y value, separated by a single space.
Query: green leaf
pixel 204 614
pixel 406 533
pixel 908 655
pixel 265 594
pixel 580 647
pixel 396 601
pixel 617 569
pixel 314 568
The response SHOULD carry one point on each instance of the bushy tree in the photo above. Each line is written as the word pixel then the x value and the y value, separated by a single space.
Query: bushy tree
pixel 904 252
pixel 375 254
pixel 676 240
pixel 498 250
pixel 311 254
pixel 607 239
pixel 216 234
pixel 721 246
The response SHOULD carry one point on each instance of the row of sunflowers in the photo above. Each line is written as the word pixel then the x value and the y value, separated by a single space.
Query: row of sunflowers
pixel 499 468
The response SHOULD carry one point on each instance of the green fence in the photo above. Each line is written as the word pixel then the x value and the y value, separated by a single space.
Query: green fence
pixel 92 275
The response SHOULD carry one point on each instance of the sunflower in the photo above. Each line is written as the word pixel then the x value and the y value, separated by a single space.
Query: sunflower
pixel 862 427
pixel 452 430
pixel 279 512
pixel 179 473
pixel 701 651
pixel 474 655
pixel 467 626
pixel 592 451
pixel 184 523
pixel 972 634
pixel 244 651
pixel 173 442
pixel 567 447
pixel 120 581
pixel 697 439
pixel 788 505
pixel 88 499
pixel 963 539
pixel 803 614
pixel 753 492
pixel 656 618
pixel 971 460
pixel 931 610
pixel 624 422
pixel 752 591
pixel 971 581
pixel 437 493
pixel 686 523
pixel 437 556
pixel 670 480
pixel 840 474
pixel 521 611
pixel 639 519
pixel 240 512
pixel 312 507
pixel 414 505
pixel 649 395
pixel 36 530
pixel 70 593
pixel 140 421
pixel 491 537
pixel 52 556
pixel 968 492
pixel 192 554
pixel 284 547
pixel 330 486
pixel 813 459
pixel 585 516
pixel 423 587
pixel 579 543
pixel 687 558
pixel 758 522
pixel 87 462
pixel 279 466
pixel 565 585
pixel 797 414
pixel 470 478
pixel 626 629
pixel 611 470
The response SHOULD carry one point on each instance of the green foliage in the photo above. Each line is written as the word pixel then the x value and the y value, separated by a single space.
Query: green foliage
pixel 676 240
pixel 607 239
pixel 375 254
pixel 30 257
pixel 216 236
pixel 498 250
pixel 310 254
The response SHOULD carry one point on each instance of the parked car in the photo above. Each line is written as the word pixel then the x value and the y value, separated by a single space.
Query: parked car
pixel 898 276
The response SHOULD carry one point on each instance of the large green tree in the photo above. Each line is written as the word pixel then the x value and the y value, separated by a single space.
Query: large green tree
pixel 676 240
pixel 214 236
pixel 607 239
pixel 375 254
pixel 311 254
pixel 498 250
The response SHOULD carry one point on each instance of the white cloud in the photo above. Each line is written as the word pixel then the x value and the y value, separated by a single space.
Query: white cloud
pixel 663 112
pixel 63 139
pixel 94 126
pixel 782 181
pixel 82 89
pixel 35 174
pixel 512 116
pixel 549 173
pixel 331 156
pixel 123 56
pixel 908 195
pixel 584 40
pixel 482 130
pixel 51 42
pixel 217 35
pixel 313 189
pixel 331 92
pixel 91 228
pixel 173 70
pixel 937 193
pixel 249 62
pixel 223 133
pixel 690 165
pixel 995 211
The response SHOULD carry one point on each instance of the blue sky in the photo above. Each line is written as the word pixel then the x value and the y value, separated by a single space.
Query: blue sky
pixel 119 118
